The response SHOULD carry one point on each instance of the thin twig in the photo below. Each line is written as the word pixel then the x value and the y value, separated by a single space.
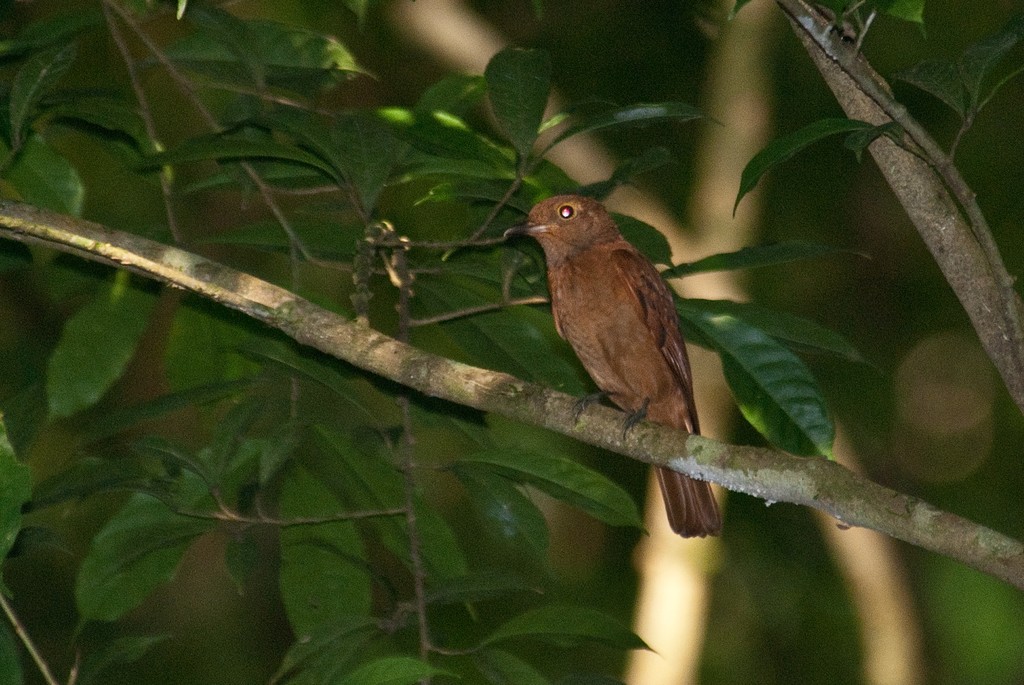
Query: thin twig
pixel 480 309
pixel 26 639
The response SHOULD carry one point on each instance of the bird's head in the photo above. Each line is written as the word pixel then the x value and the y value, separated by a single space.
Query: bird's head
pixel 567 224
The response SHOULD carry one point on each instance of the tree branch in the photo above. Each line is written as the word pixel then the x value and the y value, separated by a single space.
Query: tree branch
pixel 938 200
pixel 771 475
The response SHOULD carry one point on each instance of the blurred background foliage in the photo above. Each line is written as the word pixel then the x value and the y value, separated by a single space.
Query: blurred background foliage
pixel 923 413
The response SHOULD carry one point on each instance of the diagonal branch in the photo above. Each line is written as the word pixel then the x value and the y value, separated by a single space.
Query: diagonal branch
pixel 938 200
pixel 769 474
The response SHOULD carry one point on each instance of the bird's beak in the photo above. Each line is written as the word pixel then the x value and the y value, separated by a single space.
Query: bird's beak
pixel 526 228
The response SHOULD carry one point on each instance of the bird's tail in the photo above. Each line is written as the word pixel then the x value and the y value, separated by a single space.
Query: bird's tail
pixel 690 504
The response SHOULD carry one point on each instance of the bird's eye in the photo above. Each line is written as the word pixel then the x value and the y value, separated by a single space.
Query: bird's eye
pixel 566 211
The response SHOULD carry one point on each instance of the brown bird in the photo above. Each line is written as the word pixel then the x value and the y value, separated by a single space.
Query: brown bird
pixel 615 310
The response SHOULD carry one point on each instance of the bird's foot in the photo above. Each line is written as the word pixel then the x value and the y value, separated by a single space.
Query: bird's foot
pixel 584 402
pixel 636 417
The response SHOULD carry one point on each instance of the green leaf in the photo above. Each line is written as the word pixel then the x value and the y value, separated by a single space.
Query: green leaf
pixel 256 52
pixel 567 626
pixel 979 58
pixel 518 83
pixel 645 238
pixel 323 571
pixel 137 550
pixel 44 178
pixel 477 587
pixel 456 94
pixel 508 511
pixel 202 348
pixel 216 147
pixel 393 670
pixel 858 141
pixel 498 666
pixel 10 657
pixel 35 77
pixel 324 656
pixel 15 491
pixel 563 479
pixel 122 650
pixel 367 152
pixel 775 391
pixel 754 257
pixel 782 149
pixel 795 331
pixel 442 137
pixel 940 78
pixel 56 30
pixel 109 114
pixel 241 558
pixel 91 475
pixel 521 341
pixel 651 159
pixel 628 116
pixel 95 346
pixel 908 10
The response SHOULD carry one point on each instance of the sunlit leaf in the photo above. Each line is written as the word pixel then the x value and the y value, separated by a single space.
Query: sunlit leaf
pixel 566 626
pixel 783 149
pixel 908 10
pixel 518 82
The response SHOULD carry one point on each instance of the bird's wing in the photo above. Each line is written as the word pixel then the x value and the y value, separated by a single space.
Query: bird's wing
pixel 657 311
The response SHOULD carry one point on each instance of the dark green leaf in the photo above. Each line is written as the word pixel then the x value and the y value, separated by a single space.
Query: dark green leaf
pixel 502 668
pixel 518 82
pixel 941 78
pixel 321 235
pixel 979 59
pixel 803 334
pixel 630 115
pixel 393 670
pixel 35 77
pixel 858 141
pixel 520 341
pixel 96 346
pixel 108 114
pixel 651 159
pixel 563 479
pixel 774 390
pixel 645 238
pixel 203 345
pixel 44 178
pixel 91 475
pixel 477 587
pixel 782 149
pixel 508 511
pixel 367 152
pixel 137 550
pixel 51 31
pixel 122 650
pixel 15 491
pixel 327 654
pixel 241 558
pixel 567 626
pixel 323 570
pixel 754 257
pixel 10 657
pixel 212 147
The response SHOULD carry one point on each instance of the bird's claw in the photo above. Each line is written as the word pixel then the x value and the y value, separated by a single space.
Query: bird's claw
pixel 584 402
pixel 636 417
